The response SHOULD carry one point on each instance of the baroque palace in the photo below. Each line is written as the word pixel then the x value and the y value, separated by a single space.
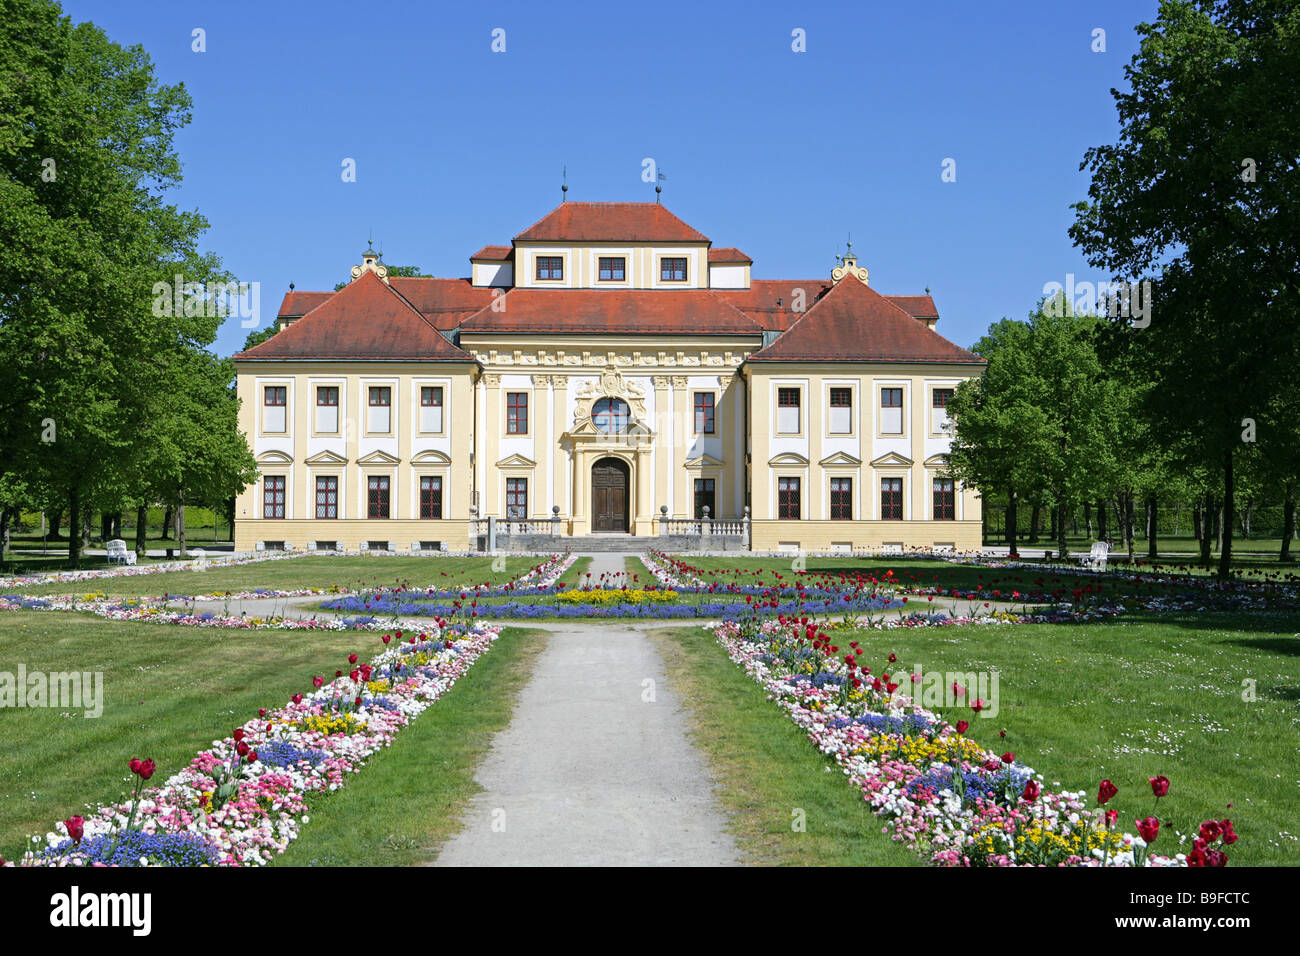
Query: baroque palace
pixel 610 373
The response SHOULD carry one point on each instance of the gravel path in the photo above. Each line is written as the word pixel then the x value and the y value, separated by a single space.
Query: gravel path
pixel 590 772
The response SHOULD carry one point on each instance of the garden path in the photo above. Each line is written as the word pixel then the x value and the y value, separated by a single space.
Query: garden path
pixel 595 768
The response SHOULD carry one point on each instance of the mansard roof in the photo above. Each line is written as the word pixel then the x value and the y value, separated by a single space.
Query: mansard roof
pixel 610 222
pixel 366 319
pixel 855 323
pixel 613 311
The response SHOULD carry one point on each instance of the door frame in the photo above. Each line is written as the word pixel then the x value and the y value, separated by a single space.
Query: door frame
pixel 626 469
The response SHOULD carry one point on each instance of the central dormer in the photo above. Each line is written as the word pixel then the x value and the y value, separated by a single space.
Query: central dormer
pixel 603 245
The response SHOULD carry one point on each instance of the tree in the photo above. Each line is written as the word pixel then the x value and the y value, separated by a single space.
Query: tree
pixel 1201 193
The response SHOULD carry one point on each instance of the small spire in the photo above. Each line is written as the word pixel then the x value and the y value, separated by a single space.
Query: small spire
pixel 659 190
pixel 564 185
pixel 290 286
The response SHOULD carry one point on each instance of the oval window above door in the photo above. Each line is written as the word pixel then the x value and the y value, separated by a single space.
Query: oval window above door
pixel 610 416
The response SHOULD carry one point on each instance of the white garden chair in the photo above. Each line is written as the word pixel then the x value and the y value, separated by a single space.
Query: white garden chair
pixel 119 553
pixel 1096 558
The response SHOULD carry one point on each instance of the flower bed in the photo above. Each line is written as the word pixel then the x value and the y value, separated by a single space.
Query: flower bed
pixel 242 801
pixel 938 791
pixel 135 570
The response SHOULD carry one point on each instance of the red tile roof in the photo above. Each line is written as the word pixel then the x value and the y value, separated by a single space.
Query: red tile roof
pixel 920 306
pixel 610 222
pixel 494 253
pixel 855 323
pixel 770 302
pixel 444 302
pixel 728 254
pixel 296 304
pixel 365 320
pixel 614 311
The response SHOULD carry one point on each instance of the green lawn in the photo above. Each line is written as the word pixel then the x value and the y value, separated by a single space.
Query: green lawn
pixel 305 572
pixel 169 691
pixel 410 796
pixel 1126 700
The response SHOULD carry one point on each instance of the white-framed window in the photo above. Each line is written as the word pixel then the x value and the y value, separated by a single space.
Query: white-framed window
pixel 327 409
pixel 275 408
pixel 891 410
pixel 939 400
pixel 379 410
pixel 841 410
pixel 431 408
pixel 787 410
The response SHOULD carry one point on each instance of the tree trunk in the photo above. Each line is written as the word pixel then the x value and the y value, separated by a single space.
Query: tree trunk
pixel 1218 525
pixel 1128 524
pixel 1062 547
pixel 1288 523
pixel 1153 530
pixel 5 512
pixel 1087 520
pixel 1207 542
pixel 56 519
pixel 1229 482
pixel 1101 520
pixel 74 533
pixel 230 519
pixel 1197 531
pixel 1034 513
pixel 167 522
pixel 141 530
pixel 105 525
pixel 1011 525
pixel 180 522
pixel 1245 517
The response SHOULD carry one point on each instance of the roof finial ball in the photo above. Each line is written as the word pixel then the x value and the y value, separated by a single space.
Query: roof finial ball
pixel 564 185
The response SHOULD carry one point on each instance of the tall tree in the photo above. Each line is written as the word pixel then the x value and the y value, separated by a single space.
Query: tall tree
pixel 1202 193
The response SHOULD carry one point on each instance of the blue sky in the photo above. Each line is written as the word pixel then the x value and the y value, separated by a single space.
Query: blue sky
pixel 783 154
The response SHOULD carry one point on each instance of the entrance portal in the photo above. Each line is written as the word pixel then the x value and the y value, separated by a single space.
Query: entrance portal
pixel 609 494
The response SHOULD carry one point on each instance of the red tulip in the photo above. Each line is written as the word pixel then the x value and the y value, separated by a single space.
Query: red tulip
pixel 316 681
pixel 1229 835
pixel 1111 817
pixel 358 701
pixel 1148 829
pixel 1105 792
pixel 352 658
pixel 296 698
pixel 1031 791
pixel 261 712
pixel 239 734
pixel 146 769
pixel 252 757
pixel 135 766
pixel 387 638
pixel 962 725
pixel 76 827
pixel 1210 831
pixel 1159 786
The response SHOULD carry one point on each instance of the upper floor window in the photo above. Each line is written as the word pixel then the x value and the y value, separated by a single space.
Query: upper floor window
pixel 610 416
pixel 787 410
pixel 891 411
pixel 704 420
pixel 672 269
pixel 273 492
pixel 380 411
pixel 431 408
pixel 612 269
pixel 327 409
pixel 841 499
pixel 787 498
pixel 275 411
pixel 841 411
pixel 891 499
pixel 430 496
pixel 945 500
pixel 939 410
pixel 550 267
pixel 377 497
pixel 516 413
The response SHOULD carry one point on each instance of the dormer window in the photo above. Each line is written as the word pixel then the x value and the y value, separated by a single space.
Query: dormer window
pixel 612 269
pixel 550 267
pixel 672 269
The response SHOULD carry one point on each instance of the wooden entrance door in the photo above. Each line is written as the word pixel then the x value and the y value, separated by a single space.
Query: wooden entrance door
pixel 609 481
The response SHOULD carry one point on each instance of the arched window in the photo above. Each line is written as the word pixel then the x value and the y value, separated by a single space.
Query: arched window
pixel 610 416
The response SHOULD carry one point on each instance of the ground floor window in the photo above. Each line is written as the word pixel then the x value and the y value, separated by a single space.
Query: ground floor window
pixel 787 498
pixel 327 497
pixel 841 499
pixel 273 496
pixel 891 499
pixel 945 500
pixel 377 490
pixel 516 497
pixel 430 496
pixel 704 491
